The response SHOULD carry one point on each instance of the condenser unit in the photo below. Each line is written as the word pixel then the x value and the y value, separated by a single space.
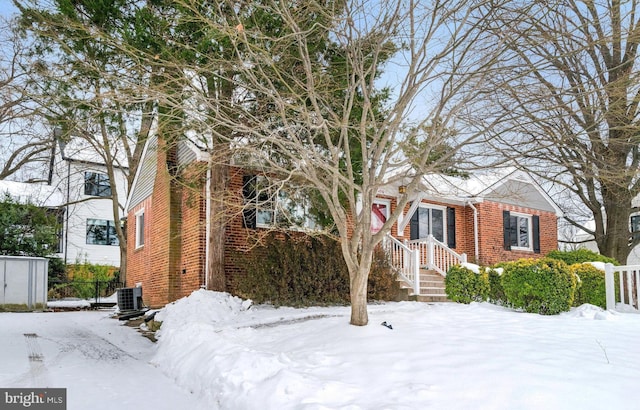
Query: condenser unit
pixel 130 299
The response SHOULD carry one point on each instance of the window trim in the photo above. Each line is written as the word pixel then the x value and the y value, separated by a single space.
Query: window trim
pixel 441 208
pixel 265 202
pixel 261 196
pixel 140 237
pixel 529 219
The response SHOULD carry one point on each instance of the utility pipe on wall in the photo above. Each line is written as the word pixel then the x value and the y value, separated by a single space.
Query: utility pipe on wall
pixel 475 231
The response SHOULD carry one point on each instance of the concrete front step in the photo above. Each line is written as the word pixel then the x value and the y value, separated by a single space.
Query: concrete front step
pixel 430 298
pixel 431 288
pixel 432 291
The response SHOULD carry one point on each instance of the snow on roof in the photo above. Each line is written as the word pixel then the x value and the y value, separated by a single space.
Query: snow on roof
pixel 83 150
pixel 37 194
pixel 474 185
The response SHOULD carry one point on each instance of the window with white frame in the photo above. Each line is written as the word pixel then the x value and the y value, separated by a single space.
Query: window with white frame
pixel 139 228
pixel 521 231
pixel 96 184
pixel 520 237
pixel 267 203
pixel 101 232
pixel 428 220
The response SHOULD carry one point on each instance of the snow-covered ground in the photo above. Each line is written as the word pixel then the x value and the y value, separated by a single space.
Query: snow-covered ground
pixel 219 352
pixel 436 356
pixel 103 364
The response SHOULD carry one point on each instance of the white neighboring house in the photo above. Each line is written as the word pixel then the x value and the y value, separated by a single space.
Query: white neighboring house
pixel 80 175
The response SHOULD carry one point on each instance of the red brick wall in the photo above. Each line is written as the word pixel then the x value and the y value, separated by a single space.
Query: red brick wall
pixel 169 271
pixel 491 237
pixel 192 233
pixel 490 231
pixel 150 265
pixel 139 260
pixel 170 265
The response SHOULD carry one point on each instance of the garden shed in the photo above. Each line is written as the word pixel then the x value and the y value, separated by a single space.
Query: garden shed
pixel 23 283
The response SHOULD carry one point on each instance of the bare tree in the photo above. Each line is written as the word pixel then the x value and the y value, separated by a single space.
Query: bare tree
pixel 571 100
pixel 89 89
pixel 310 114
pixel 25 143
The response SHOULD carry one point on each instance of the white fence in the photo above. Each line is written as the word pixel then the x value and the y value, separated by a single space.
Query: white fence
pixel 627 286
pixel 23 282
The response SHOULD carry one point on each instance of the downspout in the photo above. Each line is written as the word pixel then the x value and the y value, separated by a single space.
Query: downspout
pixel 207 229
pixel 475 231
pixel 66 225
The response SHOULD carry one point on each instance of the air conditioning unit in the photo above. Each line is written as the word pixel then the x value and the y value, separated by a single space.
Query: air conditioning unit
pixel 130 299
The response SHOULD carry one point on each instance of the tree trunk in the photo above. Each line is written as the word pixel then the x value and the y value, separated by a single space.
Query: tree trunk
pixel 614 241
pixel 359 279
pixel 358 293
pixel 218 186
pixel 123 264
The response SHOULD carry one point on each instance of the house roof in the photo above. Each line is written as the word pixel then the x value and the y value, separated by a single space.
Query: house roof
pixel 144 179
pixel 506 185
pixel 142 186
pixel 87 151
pixel 37 194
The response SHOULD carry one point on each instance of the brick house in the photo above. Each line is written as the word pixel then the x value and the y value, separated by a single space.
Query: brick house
pixel 490 217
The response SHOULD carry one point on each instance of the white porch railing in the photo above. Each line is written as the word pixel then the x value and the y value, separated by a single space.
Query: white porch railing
pixel 629 279
pixel 408 257
pixel 405 260
pixel 436 255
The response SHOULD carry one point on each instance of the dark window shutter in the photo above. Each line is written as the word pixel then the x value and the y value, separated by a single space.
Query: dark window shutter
pixel 535 221
pixel 451 227
pixel 506 222
pixel 414 225
pixel 249 200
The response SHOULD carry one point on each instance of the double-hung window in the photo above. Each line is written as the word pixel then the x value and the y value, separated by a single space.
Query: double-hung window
pixel 267 203
pixel 521 232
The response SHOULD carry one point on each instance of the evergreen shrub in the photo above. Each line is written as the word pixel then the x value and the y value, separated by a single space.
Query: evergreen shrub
pixel 290 269
pixel 591 288
pixel 545 286
pixel 580 256
pixel 465 286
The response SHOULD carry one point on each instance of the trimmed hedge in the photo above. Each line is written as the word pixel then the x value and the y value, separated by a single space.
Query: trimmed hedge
pixel 591 288
pixel 545 286
pixel 300 270
pixel 580 256
pixel 465 286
